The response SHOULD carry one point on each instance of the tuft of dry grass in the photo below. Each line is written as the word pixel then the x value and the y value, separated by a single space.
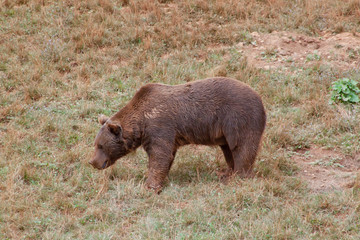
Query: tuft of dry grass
pixel 63 63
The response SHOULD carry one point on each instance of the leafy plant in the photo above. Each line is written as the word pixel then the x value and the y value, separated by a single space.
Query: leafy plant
pixel 315 56
pixel 270 54
pixel 345 91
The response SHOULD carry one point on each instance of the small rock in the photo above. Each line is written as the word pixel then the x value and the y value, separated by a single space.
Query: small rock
pixel 283 52
pixel 240 44
pixel 255 34
pixel 285 40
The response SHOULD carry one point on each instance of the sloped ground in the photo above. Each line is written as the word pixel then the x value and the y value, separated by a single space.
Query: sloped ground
pixel 326 170
pixel 62 63
pixel 287 49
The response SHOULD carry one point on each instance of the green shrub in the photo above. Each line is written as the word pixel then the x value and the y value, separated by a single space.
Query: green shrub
pixel 345 91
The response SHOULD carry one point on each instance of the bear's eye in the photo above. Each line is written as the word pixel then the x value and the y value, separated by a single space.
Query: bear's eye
pixel 100 146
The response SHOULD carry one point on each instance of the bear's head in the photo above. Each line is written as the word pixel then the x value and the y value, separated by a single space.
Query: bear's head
pixel 110 144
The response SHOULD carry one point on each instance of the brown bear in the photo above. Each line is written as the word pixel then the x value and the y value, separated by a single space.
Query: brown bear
pixel 215 111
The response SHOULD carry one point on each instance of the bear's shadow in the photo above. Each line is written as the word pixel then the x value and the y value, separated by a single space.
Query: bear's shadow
pixel 186 172
pixel 203 167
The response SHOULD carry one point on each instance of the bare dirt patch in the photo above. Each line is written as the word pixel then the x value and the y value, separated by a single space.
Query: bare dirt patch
pixel 287 49
pixel 326 169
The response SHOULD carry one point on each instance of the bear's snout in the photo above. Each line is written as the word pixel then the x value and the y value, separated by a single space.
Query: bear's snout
pixel 98 164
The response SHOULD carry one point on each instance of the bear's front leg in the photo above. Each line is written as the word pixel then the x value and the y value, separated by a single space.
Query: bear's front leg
pixel 156 180
pixel 161 157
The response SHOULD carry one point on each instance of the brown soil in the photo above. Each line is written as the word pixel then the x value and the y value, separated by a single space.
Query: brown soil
pixel 327 169
pixel 286 49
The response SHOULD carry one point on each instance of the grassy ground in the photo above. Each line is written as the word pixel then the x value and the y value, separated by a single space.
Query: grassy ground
pixel 62 63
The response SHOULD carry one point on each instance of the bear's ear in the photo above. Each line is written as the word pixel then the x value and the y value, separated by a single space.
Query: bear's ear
pixel 114 128
pixel 102 119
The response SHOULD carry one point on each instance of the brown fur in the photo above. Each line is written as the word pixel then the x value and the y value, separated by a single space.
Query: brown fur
pixel 161 118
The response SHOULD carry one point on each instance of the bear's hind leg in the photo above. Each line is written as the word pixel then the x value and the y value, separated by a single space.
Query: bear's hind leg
pixel 228 156
pixel 226 173
pixel 244 156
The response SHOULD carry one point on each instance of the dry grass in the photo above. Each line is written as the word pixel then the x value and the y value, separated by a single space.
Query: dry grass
pixel 62 63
